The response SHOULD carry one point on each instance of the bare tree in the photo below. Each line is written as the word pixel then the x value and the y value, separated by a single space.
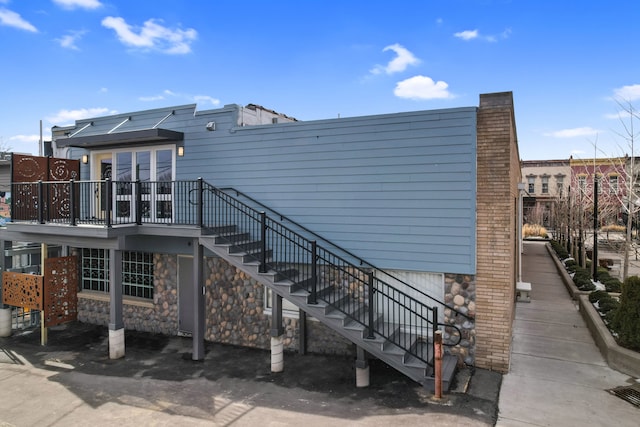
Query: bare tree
pixel 627 115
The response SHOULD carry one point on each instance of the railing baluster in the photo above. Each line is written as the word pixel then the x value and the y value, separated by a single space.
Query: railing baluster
pixel 313 299
pixel 200 204
pixel 370 334
pixel 263 243
pixel 40 202
pixel 434 328
pixel 138 190
pixel 109 202
pixel 72 202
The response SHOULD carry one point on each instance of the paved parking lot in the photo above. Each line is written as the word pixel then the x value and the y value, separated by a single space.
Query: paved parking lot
pixel 72 382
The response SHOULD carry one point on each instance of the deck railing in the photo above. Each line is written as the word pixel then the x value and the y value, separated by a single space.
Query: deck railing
pixel 358 292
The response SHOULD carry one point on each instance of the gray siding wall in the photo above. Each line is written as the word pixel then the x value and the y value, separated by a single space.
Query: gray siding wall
pixel 397 190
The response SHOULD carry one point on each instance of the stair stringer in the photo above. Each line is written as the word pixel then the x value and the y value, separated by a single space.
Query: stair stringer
pixel 377 347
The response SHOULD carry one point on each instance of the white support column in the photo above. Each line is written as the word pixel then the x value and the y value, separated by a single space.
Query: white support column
pixel 116 322
pixel 277 334
pixel 362 369
pixel 5 321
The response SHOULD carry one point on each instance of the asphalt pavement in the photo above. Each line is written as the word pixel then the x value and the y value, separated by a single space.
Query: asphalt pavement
pixel 72 382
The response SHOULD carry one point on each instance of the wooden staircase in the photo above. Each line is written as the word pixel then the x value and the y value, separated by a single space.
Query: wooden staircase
pixel 345 316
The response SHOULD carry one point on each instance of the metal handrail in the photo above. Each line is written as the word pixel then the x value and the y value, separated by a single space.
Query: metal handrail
pixel 345 251
pixel 355 291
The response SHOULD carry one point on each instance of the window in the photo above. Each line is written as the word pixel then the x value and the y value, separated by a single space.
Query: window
pixel 137 272
pixel 532 184
pixel 582 182
pixel 560 185
pixel 288 308
pixel 613 184
pixel 545 185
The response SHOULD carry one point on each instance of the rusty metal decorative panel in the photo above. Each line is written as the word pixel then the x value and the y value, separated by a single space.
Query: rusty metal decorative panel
pixel 28 170
pixel 60 290
pixel 22 290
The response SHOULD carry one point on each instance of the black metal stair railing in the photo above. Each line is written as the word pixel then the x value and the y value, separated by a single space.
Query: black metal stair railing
pixel 354 291
pixel 357 292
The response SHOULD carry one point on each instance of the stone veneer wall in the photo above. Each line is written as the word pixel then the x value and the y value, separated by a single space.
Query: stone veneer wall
pixel 460 292
pixel 158 316
pixel 235 315
pixel 234 310
pixel 498 175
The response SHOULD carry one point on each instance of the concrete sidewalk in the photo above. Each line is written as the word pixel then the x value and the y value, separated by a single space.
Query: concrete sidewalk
pixel 557 376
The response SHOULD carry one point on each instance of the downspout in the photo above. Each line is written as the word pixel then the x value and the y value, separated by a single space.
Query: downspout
pixel 520 219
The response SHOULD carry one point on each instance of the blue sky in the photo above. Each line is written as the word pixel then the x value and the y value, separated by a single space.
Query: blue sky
pixel 566 62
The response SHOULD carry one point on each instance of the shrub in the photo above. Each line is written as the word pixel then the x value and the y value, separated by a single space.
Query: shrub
pixel 613 227
pixel 626 320
pixel 534 230
pixel 582 279
pixel 605 305
pixel 597 295
pixel 559 249
pixel 612 285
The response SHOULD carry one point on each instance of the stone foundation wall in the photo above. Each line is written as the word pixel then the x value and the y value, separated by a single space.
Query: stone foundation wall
pixel 234 310
pixel 460 292
pixel 236 315
pixel 159 316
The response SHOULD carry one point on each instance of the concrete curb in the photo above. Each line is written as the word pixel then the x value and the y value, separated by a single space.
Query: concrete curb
pixel 568 281
pixel 619 358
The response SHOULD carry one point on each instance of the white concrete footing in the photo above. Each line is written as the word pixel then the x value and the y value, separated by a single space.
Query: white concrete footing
pixel 523 290
pixel 277 354
pixel 5 322
pixel 362 377
pixel 116 344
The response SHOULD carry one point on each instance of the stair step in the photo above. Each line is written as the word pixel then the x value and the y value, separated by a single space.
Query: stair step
pixel 231 238
pixel 222 229
pixel 336 307
pixel 449 368
pixel 255 256
pixel 288 274
pixel 248 246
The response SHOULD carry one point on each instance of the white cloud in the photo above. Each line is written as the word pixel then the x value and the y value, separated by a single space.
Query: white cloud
pixel 198 99
pixel 206 99
pixel 151 98
pixel 628 93
pixel 422 87
pixel 403 59
pixel 65 117
pixel 69 41
pixel 12 19
pixel 78 4
pixel 467 35
pixel 573 133
pixel 25 138
pixel 475 34
pixel 152 35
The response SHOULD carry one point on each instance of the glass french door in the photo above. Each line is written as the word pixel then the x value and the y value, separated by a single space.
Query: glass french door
pixel 154 169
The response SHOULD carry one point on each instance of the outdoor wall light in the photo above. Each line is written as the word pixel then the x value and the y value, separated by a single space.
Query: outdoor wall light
pixel 85 158
pixel 180 151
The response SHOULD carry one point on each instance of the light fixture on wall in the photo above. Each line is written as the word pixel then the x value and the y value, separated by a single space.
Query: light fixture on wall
pixel 85 158
pixel 181 151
